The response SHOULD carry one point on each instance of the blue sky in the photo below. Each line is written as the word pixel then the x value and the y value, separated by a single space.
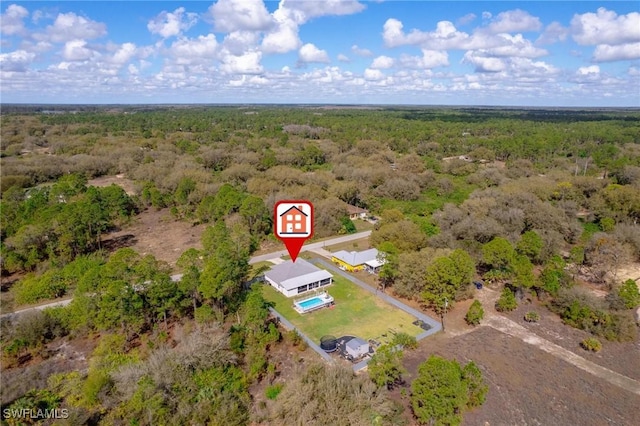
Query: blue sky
pixel 335 51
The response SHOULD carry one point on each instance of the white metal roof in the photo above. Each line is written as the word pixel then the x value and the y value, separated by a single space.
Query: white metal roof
pixel 375 263
pixel 292 275
pixel 355 258
pixel 356 343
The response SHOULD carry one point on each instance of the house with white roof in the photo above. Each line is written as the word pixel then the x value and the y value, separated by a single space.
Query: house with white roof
pixel 294 278
pixel 367 260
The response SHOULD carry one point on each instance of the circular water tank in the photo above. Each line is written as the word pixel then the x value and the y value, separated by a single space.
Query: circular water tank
pixel 328 343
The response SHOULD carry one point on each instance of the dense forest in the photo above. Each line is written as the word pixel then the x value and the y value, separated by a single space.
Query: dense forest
pixel 535 202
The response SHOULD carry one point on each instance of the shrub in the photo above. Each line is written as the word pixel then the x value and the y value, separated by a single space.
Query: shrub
pixel 591 344
pixel 476 387
pixel 581 310
pixel 34 288
pixel 204 314
pixel 507 301
pixel 404 340
pixel 294 337
pixel 475 313
pixel 32 330
pixel 629 293
pixel 348 227
pixel 273 391
pixel 532 316
pixel 297 340
pixel 36 400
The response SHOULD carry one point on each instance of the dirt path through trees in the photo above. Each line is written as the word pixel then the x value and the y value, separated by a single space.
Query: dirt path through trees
pixel 488 298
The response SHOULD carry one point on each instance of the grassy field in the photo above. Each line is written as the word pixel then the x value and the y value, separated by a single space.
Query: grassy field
pixel 363 225
pixel 356 313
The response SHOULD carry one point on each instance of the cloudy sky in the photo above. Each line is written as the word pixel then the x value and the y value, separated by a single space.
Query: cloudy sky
pixel 573 53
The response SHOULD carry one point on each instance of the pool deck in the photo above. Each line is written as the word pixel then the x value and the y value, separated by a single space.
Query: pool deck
pixel 432 323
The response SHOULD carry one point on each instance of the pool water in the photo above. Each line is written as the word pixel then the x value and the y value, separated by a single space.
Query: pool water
pixel 310 303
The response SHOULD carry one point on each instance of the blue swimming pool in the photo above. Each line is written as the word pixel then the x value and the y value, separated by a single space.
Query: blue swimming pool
pixel 314 302
pixel 310 303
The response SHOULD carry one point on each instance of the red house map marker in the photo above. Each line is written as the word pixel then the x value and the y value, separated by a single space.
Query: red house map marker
pixel 293 224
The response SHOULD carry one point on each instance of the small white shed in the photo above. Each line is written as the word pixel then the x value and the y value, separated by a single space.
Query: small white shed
pixel 357 347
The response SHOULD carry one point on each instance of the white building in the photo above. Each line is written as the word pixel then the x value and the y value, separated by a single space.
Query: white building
pixel 293 278
pixel 357 347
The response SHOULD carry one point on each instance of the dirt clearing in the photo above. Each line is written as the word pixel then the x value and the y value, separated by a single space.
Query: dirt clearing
pixel 528 386
pixel 158 233
pixel 124 183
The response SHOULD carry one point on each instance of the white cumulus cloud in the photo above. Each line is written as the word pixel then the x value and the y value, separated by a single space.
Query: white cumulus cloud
pixel 484 63
pixel 124 53
pixel 516 45
pixel 16 61
pixel 373 75
pixel 169 24
pixel 513 21
pixel 238 42
pixel 77 50
pixel 444 37
pixel 188 51
pixel 343 58
pixel 392 33
pixel 240 15
pixel 12 21
pixel 357 50
pixel 605 27
pixel 592 69
pixel 69 26
pixel 434 58
pixel 430 59
pixel 310 53
pixel 283 37
pixel 247 63
pixel 314 9
pixel 382 63
pixel 608 53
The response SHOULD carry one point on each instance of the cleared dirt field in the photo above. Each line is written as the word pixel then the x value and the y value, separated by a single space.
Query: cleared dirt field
pixel 126 184
pixel 623 358
pixel 158 233
pixel 528 386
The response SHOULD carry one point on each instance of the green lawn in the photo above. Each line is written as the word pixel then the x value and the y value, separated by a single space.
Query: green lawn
pixel 258 268
pixel 356 313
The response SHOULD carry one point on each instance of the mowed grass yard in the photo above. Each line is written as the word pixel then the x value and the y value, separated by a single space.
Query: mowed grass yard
pixel 356 313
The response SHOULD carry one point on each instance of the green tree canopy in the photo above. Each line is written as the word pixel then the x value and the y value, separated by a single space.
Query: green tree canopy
pixel 446 276
pixel 443 390
pixel 385 367
pixel 530 245
pixel 498 253
pixel 629 293
pixel 439 394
